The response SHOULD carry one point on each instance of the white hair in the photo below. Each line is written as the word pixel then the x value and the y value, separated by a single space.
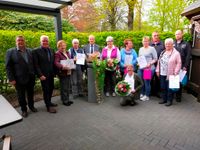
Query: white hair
pixel 91 36
pixel 109 38
pixel 75 41
pixel 43 37
pixel 169 40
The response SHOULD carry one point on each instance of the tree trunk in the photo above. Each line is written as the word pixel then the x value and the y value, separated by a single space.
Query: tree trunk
pixel 130 17
pixel 140 16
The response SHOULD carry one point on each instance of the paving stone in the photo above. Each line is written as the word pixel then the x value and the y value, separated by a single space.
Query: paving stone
pixel 89 126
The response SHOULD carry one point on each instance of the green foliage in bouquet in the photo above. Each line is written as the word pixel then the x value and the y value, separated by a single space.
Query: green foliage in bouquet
pixel 122 88
pixel 118 74
pixel 111 64
pixel 99 67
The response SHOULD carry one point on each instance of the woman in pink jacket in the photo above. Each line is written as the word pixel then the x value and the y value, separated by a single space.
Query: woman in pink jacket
pixel 169 63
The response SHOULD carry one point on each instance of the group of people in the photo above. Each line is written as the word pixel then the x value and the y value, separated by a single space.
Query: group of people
pixel 23 64
pixel 163 60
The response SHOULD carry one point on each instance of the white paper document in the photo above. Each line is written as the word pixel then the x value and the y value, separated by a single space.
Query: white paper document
pixel 128 59
pixel 142 61
pixel 182 74
pixel 174 82
pixel 68 63
pixel 80 59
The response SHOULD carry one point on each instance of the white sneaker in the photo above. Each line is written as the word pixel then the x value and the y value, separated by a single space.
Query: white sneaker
pixel 107 94
pixel 143 98
pixel 147 98
pixel 113 94
pixel 141 95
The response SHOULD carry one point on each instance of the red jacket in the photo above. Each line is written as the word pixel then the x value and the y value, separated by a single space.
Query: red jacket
pixel 60 56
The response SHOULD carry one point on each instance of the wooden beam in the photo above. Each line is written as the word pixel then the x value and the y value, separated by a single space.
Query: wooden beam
pixel 7 143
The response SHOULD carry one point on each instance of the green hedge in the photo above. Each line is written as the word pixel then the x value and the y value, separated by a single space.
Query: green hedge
pixel 7 40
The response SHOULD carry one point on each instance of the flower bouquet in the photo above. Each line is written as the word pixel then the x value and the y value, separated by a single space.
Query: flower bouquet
pixel 111 64
pixel 92 57
pixel 122 88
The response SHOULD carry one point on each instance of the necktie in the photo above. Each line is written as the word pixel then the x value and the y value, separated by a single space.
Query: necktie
pixel 92 49
pixel 49 54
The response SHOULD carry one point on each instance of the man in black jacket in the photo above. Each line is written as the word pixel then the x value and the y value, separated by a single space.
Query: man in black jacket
pixel 44 66
pixel 185 51
pixel 159 46
pixel 20 72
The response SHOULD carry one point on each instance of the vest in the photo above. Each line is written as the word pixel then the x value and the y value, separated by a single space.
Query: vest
pixel 113 53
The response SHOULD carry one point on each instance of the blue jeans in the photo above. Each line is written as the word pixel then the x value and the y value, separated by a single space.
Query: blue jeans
pixel 167 94
pixel 146 89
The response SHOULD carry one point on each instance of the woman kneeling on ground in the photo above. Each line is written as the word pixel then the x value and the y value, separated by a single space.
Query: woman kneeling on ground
pixel 136 84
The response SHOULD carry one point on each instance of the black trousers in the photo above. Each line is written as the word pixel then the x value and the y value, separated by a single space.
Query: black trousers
pixel 23 91
pixel 155 85
pixel 179 93
pixel 110 81
pixel 47 88
pixel 64 88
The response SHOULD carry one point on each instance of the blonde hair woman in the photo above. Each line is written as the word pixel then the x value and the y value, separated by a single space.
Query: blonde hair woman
pixel 150 55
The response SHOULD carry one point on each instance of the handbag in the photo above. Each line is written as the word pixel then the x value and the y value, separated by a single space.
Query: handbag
pixel 184 81
pixel 147 74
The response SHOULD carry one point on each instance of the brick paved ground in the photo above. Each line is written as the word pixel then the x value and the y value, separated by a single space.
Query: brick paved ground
pixel 88 126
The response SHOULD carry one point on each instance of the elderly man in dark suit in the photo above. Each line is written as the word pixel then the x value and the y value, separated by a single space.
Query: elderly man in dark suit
pixel 91 50
pixel 44 65
pixel 20 72
pixel 91 47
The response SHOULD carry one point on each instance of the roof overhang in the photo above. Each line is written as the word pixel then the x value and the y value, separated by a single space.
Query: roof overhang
pixel 47 7
pixel 192 10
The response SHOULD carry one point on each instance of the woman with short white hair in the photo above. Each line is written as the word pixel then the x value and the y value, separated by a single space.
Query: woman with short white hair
pixel 74 41
pixel 77 73
pixel 169 63
pixel 110 53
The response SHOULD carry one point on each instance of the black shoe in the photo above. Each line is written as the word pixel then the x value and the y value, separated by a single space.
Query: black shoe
pixel 71 102
pixel 25 114
pixel 53 105
pixel 178 99
pixel 33 109
pixel 162 102
pixel 124 104
pixel 75 96
pixel 158 96
pixel 132 103
pixel 66 103
pixel 81 95
pixel 168 104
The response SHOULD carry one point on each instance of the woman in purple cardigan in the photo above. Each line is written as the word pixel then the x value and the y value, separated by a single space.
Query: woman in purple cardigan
pixel 109 53
pixel 169 63
pixel 64 72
